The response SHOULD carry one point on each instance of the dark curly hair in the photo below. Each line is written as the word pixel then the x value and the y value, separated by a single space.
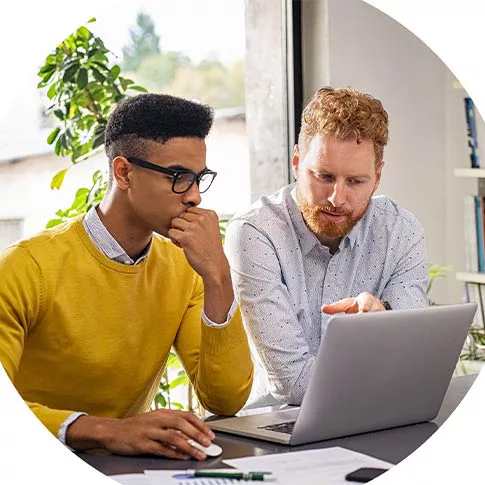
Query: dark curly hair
pixel 346 114
pixel 155 117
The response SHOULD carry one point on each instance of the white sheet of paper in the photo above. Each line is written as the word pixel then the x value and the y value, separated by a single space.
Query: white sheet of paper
pixel 311 467
pixel 169 477
pixel 131 479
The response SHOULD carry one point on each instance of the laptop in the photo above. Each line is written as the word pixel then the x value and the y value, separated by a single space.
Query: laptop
pixel 372 371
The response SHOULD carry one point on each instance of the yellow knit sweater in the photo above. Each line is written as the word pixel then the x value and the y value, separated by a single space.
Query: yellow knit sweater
pixel 79 332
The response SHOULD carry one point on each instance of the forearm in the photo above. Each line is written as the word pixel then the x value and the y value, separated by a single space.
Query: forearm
pixel 89 432
pixel 406 287
pixel 218 294
pixel 278 338
pixel 225 369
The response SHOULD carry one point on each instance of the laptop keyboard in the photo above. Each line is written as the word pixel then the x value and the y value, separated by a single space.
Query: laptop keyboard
pixel 280 427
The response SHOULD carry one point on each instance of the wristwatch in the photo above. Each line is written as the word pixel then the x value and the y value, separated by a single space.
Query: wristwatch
pixel 386 305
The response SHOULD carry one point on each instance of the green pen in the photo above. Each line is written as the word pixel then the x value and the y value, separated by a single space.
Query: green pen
pixel 249 476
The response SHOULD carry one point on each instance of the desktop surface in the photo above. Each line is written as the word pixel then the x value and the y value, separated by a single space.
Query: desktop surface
pixel 392 445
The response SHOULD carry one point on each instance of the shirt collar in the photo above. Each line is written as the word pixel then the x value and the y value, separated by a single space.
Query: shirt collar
pixel 105 242
pixel 307 239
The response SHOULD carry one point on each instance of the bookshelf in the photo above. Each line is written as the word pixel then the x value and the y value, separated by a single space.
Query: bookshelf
pixel 477 278
pixel 474 277
pixel 470 172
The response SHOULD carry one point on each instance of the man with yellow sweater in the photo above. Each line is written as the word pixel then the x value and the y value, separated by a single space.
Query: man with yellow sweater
pixel 90 309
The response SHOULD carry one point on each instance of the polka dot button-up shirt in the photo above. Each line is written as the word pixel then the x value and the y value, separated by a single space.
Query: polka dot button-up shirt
pixel 283 275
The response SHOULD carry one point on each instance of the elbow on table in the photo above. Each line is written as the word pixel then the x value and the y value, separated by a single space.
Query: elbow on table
pixel 229 400
pixel 287 392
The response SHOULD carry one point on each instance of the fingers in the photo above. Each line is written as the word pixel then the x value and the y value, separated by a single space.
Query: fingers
pixel 158 448
pixel 174 234
pixel 200 211
pixel 192 427
pixel 194 214
pixel 163 433
pixel 190 226
pixel 176 443
pixel 341 306
pixel 363 303
pixel 184 425
pixel 196 231
pixel 368 303
pixel 181 223
pixel 354 308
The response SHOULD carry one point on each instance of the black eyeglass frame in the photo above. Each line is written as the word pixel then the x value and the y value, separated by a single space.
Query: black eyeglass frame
pixel 175 173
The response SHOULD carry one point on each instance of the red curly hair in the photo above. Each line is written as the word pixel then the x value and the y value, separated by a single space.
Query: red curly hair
pixel 346 114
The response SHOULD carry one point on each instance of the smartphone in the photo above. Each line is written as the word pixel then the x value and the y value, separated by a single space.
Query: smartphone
pixel 364 475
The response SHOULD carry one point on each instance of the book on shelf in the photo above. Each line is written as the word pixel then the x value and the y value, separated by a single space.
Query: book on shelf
pixel 472 132
pixel 479 219
pixel 474 216
pixel 471 236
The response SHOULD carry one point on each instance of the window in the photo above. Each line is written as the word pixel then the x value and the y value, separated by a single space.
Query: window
pixel 10 231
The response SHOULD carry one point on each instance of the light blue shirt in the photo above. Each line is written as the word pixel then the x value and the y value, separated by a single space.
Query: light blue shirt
pixel 283 275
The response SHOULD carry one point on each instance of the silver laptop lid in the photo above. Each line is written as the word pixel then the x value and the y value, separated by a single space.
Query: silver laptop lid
pixel 380 370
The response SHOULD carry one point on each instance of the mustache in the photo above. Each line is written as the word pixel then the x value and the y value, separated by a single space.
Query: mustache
pixel 331 210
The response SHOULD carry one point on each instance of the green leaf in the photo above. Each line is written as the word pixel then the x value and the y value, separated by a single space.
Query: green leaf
pixel 97 176
pixel 91 20
pixel 82 192
pixel 52 91
pixel 176 405
pixel 58 178
pixel 98 76
pixel 53 135
pixel 173 362
pixel 179 381
pixel 84 33
pixel 160 399
pixel 82 79
pixel 79 203
pixel 99 136
pixel 70 72
pixel 141 89
pixel 53 223
pixel 100 65
pixel 125 82
pixel 47 76
pixel 100 59
pixel 58 146
pixel 115 72
pixel 163 387
pixel 98 141
pixel 46 68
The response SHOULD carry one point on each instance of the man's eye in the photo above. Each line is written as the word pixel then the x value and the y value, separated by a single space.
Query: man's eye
pixel 323 176
pixel 184 176
pixel 355 181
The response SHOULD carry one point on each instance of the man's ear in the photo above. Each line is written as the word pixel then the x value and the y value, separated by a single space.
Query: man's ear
pixel 121 172
pixel 378 175
pixel 295 161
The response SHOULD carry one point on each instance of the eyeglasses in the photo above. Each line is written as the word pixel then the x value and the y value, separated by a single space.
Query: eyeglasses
pixel 182 179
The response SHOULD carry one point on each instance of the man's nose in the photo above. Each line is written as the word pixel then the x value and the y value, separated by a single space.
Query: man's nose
pixel 192 196
pixel 337 197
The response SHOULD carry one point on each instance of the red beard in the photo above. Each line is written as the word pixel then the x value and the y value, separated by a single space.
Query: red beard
pixel 321 226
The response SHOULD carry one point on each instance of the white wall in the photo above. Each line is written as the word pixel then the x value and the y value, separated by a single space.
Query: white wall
pixel 25 185
pixel 349 43
pixel 25 188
